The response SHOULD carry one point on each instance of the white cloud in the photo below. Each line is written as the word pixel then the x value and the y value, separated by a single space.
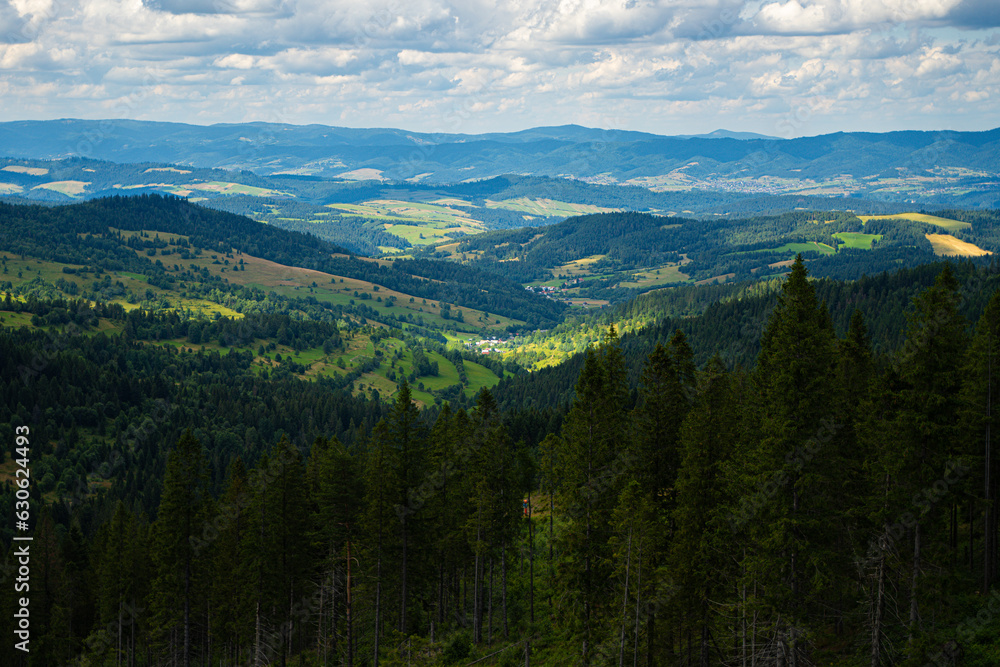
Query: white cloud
pixel 646 64
pixel 832 16
pixel 235 61
pixel 935 62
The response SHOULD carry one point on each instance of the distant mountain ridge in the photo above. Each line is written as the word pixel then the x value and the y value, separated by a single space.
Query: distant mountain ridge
pixel 728 134
pixel 945 167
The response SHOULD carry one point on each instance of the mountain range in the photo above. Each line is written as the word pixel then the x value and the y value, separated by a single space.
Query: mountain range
pixel 942 167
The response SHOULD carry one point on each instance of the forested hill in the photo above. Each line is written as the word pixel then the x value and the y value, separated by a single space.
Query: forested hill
pixel 826 506
pixel 615 255
pixel 94 233
pixel 730 327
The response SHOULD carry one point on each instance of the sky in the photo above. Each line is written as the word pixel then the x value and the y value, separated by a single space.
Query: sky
pixel 778 67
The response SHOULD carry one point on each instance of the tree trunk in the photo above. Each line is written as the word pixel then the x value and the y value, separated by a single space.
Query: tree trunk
pixel 989 523
pixel 208 630
pixel 402 606
pixel 877 612
pixel 552 571
pixel 743 623
pixel 503 575
pixel 378 595
pixel 650 634
pixel 989 529
pixel 531 565
pixel 330 642
pixel 638 599
pixel 350 611
pixel 187 613
pixel 477 606
pixel 118 654
pixel 914 608
pixel 440 605
pixel 289 629
pixel 628 565
pixel 703 657
pixel 793 647
pixel 256 650
pixel 489 626
pixel 972 535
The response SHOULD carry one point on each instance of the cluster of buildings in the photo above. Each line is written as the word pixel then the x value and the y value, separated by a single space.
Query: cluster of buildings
pixel 486 346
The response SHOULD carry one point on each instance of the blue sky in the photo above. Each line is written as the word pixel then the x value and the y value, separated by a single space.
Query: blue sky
pixel 779 67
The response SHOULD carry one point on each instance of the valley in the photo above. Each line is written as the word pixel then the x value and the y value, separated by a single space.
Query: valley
pixel 427 382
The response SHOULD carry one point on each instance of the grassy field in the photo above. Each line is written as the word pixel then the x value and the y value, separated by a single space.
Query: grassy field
pixel 417 234
pixel 407 211
pixel 452 201
pixel 946 245
pixel 813 246
pixel 397 360
pixel 234 189
pixel 663 275
pixel 547 207
pixel 577 268
pixel 71 188
pixel 858 240
pixel 582 302
pixel 944 223
pixel 14 320
pixel 218 187
pixel 479 377
pixel 31 171
pixel 420 223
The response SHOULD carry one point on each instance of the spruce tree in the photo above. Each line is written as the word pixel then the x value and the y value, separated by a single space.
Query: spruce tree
pixel 335 492
pixel 930 367
pixel 380 534
pixel 698 560
pixel 232 622
pixel 408 437
pixel 980 422
pixel 180 572
pixel 596 448
pixel 789 481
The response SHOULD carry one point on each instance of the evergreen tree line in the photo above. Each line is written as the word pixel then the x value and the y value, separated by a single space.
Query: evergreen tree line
pixel 828 506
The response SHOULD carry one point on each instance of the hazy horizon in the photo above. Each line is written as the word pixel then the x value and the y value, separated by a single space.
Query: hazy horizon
pixel 700 133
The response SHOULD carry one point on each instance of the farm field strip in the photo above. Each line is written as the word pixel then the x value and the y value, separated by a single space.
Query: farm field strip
pixel 858 239
pixel 946 245
pixel 945 223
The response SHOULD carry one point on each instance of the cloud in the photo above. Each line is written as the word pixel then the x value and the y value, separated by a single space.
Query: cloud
pixel 235 61
pixel 977 14
pixel 269 7
pixel 661 65
pixel 18 28
pixel 805 17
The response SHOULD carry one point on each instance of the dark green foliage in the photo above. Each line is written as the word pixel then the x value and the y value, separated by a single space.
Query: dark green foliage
pixel 182 578
pixel 830 505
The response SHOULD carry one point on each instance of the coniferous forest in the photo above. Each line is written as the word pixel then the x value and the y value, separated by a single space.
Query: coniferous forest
pixel 824 505
pixel 552 333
